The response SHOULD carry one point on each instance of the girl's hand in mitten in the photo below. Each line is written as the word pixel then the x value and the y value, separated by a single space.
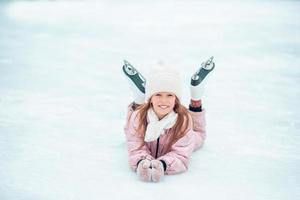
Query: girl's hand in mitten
pixel 144 170
pixel 157 170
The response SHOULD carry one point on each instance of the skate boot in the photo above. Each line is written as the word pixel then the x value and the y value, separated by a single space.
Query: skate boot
pixel 138 80
pixel 199 79
pixel 205 69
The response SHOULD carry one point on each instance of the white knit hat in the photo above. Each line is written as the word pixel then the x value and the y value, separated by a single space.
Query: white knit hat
pixel 163 79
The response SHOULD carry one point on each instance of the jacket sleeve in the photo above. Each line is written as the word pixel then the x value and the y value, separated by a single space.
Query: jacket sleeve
pixel 177 160
pixel 136 151
pixel 199 124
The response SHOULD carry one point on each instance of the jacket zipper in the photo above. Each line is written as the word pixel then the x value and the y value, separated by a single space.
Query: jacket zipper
pixel 157 145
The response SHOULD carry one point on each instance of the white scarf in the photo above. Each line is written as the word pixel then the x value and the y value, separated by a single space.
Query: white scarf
pixel 156 127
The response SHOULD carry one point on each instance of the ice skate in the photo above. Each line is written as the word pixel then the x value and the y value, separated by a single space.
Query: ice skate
pixel 138 80
pixel 205 69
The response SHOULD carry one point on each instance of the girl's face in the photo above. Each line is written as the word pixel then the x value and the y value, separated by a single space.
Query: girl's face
pixel 163 103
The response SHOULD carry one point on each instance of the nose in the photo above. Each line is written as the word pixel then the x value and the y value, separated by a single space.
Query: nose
pixel 163 99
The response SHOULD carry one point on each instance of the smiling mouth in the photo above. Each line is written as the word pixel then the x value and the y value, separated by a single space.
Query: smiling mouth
pixel 163 106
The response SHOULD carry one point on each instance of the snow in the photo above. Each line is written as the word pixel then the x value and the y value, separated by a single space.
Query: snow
pixel 63 96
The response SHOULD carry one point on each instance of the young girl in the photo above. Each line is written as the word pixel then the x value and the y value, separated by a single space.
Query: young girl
pixel 161 133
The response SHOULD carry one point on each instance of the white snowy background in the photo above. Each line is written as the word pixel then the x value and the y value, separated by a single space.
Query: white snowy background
pixel 63 96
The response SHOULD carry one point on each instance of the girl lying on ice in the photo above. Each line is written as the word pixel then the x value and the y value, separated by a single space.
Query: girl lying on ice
pixel 161 133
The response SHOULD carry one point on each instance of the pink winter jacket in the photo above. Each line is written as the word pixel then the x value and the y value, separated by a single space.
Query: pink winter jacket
pixel 177 159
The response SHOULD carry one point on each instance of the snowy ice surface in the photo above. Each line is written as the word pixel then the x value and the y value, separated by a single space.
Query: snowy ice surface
pixel 63 96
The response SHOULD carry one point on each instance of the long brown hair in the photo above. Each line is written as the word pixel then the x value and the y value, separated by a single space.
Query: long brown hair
pixel 180 128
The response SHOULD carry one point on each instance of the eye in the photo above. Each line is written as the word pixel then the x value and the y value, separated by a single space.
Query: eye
pixel 170 95
pixel 158 94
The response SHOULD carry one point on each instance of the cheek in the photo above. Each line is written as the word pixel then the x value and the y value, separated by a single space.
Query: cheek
pixel 173 107
pixel 173 102
pixel 154 103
